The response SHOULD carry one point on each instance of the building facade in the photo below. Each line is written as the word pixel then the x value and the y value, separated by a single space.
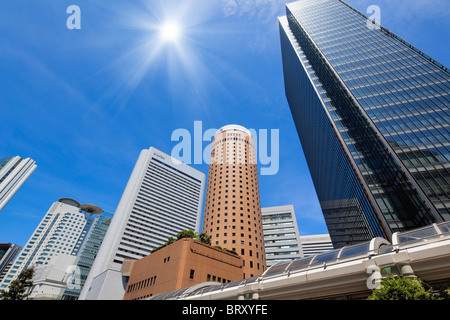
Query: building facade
pixel 315 244
pixel 14 171
pixel 50 280
pixel 232 208
pixel 182 264
pixel 61 231
pixel 8 252
pixel 281 236
pixel 86 257
pixel 372 114
pixel 163 197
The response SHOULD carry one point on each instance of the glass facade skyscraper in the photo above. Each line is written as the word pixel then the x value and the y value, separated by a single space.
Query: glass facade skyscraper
pixel 372 113
pixel 8 252
pixel 88 252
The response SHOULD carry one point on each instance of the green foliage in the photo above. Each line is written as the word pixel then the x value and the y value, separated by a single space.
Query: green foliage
pixel 18 288
pixel 401 288
pixel 187 234
pixel 225 249
pixel 230 251
pixel 202 237
pixel 442 291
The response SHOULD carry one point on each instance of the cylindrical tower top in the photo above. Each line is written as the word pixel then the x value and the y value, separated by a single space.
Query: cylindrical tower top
pixel 70 201
pixel 233 127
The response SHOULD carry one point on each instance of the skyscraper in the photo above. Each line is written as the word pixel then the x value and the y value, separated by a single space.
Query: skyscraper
pixel 372 113
pixel 14 171
pixel 316 243
pixel 8 252
pixel 232 208
pixel 88 252
pixel 163 197
pixel 61 231
pixel 281 236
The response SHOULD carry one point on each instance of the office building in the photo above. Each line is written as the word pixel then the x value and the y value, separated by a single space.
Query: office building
pixel 281 236
pixel 50 280
pixel 61 231
pixel 163 197
pixel 86 257
pixel 315 244
pixel 372 113
pixel 182 264
pixel 8 252
pixel 232 208
pixel 14 171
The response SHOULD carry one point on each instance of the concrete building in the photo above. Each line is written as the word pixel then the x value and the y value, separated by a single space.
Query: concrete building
pixel 182 264
pixel 314 244
pixel 8 252
pixel 163 196
pixel 233 209
pixel 14 171
pixel 281 235
pixel 51 280
pixel 61 231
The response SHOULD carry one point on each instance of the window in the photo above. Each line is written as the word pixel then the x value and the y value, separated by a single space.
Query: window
pixel 191 275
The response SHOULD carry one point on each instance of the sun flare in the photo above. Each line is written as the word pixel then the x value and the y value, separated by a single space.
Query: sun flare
pixel 170 31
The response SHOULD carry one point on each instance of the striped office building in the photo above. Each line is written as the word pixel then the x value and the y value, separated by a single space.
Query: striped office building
pixel 163 197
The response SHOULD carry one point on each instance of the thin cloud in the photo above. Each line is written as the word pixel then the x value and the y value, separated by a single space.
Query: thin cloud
pixel 265 10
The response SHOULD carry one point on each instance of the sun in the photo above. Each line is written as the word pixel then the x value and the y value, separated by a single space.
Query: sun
pixel 170 31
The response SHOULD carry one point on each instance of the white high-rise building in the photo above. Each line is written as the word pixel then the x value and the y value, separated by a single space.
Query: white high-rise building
pixel 163 197
pixel 317 243
pixel 61 231
pixel 14 171
pixel 281 235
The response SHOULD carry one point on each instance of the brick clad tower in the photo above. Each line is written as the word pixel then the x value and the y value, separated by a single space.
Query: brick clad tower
pixel 233 208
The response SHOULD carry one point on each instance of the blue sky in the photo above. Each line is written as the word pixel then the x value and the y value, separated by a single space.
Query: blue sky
pixel 84 103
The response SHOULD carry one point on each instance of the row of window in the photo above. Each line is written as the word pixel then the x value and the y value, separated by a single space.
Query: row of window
pixel 216 279
pixel 277 216
pixel 142 284
pixel 229 139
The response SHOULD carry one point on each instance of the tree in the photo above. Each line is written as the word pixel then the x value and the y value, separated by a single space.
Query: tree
pixel 18 289
pixel 401 288
pixel 186 234
pixel 204 238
